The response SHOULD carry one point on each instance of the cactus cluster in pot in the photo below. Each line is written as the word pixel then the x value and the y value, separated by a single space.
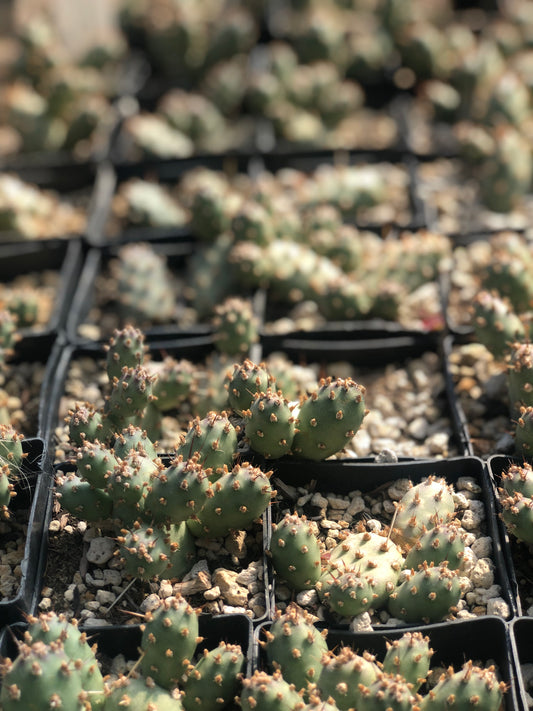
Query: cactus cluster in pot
pixel 56 667
pixel 305 674
pixel 414 568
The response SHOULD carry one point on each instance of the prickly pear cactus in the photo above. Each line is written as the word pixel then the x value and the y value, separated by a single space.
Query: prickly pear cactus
pixel 410 657
pixel 520 375
pixel 6 491
pixel 443 543
pixel 269 692
pixel 496 324
pixel 423 506
pixel 129 396
pixel 125 348
pixel 253 223
pixel 374 557
pixel 213 438
pixel 95 463
pixel 11 452
pixel 42 676
pixel 133 439
pixel 295 646
pixel 235 326
pixel 329 418
pixel 169 638
pixel 389 692
pixel 429 595
pixel 145 551
pixel 84 423
pixel 82 499
pixel 174 382
pixel 8 327
pixel 213 681
pixel 347 592
pixel 244 382
pixel 178 492
pixel 470 688
pixel 523 434
pixel 270 425
pixel 295 551
pixel 137 693
pixel 237 499
pixel 342 674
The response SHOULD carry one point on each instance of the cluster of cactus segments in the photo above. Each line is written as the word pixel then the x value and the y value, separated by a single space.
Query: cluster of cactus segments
pixel 56 667
pixel 496 323
pixel 516 498
pixel 298 663
pixel 11 459
pixel 412 568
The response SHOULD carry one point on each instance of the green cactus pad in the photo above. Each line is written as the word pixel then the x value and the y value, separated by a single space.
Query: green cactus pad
pixel 235 326
pixel 295 646
pixel 246 380
pixel 137 693
pixel 133 438
pixel 270 425
pixel 469 689
pixel 269 692
pixel 125 349
pixel 174 382
pixel 82 499
pixel 145 551
pixel 169 638
pixel 388 693
pixel 214 680
pixel 496 324
pixel 213 439
pixel 523 435
pixel 423 506
pixel 329 418
pixel 84 423
pixel 342 673
pixel 295 551
pixel 429 595
pixel 443 543
pixel 95 463
pixel 346 592
pixel 409 656
pixel 518 478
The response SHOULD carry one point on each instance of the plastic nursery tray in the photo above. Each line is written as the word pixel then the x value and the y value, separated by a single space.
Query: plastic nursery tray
pixel 370 346
pixel 113 640
pixel 344 476
pixel 31 503
pixel 482 640
pixel 521 640
pixel 62 256
pixel 51 170
pixel 89 306
pixel 496 465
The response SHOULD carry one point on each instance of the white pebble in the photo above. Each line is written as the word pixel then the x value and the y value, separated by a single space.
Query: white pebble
pixel 101 549
pixel 361 623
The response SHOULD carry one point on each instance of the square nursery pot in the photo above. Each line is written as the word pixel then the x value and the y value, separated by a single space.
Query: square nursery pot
pixel 521 638
pixel 22 533
pixel 118 645
pixel 338 495
pixel 97 308
pixel 517 554
pixel 484 641
pixel 48 271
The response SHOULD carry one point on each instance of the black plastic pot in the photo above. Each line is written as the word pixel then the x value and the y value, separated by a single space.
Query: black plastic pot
pixel 483 640
pixel 63 256
pixel 521 639
pixel 343 476
pixel 29 506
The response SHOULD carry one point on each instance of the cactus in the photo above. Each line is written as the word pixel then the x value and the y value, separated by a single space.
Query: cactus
pixel 389 692
pixel 235 326
pixel 442 543
pixel 295 552
pixel 496 325
pixel 237 498
pixel 125 348
pixel 182 555
pixel 423 505
pixel 213 438
pixel 145 551
pixel 95 463
pixel 42 676
pixel 507 275
pixel 133 439
pixel 346 592
pixel 8 327
pixel 84 423
pixel 469 688
pixel 329 418
pixel 268 692
pixel 371 556
pixel 174 382
pixel 252 223
pixel 213 681
pixel 342 673
pixel 523 435
pixel 129 396
pixel 82 499
pixel 409 656
pixel 138 693
pixel 169 638
pixel 178 492
pixel 11 452
pixel 430 595
pixel 24 305
pixel 6 490
pixel 270 424
pixel 244 382
pixel 520 375
pixel 145 290
pixel 295 646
